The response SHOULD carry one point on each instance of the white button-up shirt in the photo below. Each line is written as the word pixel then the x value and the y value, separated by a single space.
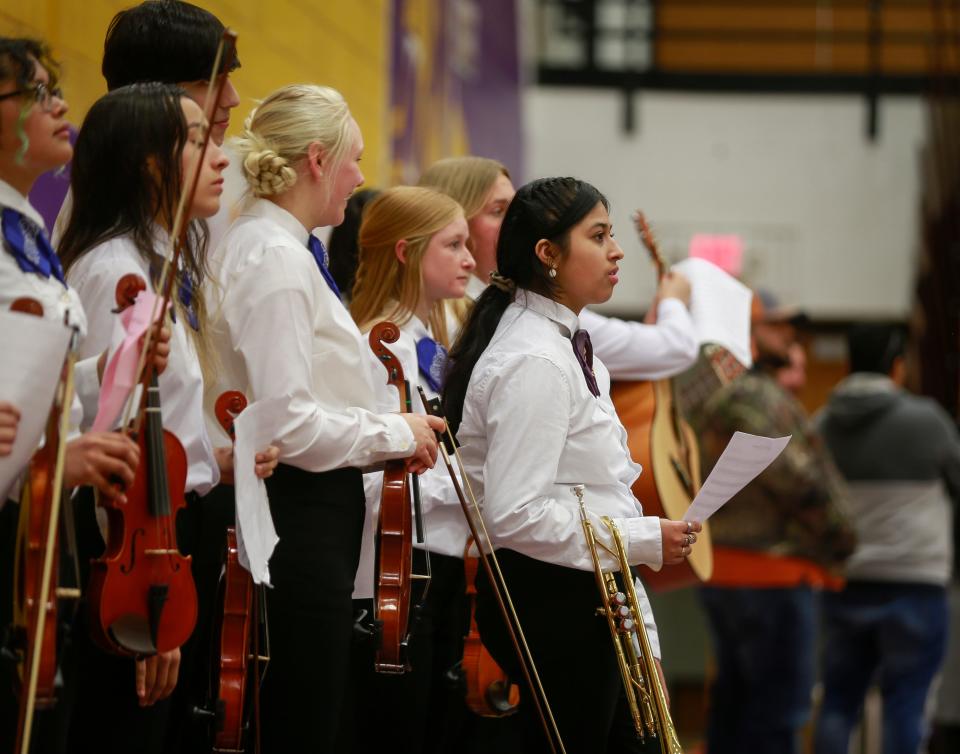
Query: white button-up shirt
pixel 280 331
pixel 531 430
pixel 95 276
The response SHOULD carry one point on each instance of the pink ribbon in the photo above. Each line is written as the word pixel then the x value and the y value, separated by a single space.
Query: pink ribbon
pixel 119 378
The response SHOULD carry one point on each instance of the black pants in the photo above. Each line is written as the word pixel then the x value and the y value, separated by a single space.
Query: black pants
pixel 413 710
pixel 319 519
pixel 106 714
pixel 572 650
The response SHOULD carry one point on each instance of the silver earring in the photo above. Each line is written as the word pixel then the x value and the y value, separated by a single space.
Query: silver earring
pixel 552 272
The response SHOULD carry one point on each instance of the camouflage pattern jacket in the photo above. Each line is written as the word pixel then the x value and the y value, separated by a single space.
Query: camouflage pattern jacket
pixel 798 506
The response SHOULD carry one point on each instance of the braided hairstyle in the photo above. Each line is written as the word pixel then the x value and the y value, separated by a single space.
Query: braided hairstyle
pixel 278 133
pixel 547 208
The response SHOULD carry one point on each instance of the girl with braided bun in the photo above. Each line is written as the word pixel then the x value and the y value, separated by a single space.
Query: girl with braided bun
pixel 283 333
pixel 531 407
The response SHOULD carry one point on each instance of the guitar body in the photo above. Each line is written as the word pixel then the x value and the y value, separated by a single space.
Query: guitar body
pixel 663 443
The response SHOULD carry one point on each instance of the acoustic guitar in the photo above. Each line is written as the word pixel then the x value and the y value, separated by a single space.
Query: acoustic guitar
pixel 661 441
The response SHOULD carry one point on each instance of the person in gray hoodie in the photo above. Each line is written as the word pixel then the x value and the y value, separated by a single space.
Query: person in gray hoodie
pixel 900 454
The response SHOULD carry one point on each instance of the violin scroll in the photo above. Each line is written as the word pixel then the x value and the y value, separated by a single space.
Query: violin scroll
pixel 228 407
pixel 128 288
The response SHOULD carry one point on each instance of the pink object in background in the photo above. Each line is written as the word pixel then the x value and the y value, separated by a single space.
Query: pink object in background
pixel 724 251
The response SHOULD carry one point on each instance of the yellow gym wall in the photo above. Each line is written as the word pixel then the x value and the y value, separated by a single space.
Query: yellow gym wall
pixel 340 44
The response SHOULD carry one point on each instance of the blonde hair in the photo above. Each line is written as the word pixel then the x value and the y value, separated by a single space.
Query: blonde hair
pixel 467 180
pixel 279 131
pixel 385 288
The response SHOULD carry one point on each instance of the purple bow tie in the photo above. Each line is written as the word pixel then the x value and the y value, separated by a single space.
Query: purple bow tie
pixel 584 352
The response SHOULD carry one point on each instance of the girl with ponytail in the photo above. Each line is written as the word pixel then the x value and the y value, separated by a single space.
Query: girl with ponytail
pixel 532 410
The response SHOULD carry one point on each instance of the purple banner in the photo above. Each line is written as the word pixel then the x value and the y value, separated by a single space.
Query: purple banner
pixel 455 84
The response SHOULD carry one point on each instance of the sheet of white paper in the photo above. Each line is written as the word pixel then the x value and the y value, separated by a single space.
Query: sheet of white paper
pixel 256 427
pixel 34 349
pixel 741 461
pixel 719 307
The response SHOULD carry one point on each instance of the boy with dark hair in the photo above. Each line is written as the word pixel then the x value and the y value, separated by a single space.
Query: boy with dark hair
pixel 172 42
pixel 900 454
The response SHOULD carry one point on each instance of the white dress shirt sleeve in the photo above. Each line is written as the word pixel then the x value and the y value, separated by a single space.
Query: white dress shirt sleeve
pixel 636 351
pixel 520 471
pixel 648 622
pixel 270 319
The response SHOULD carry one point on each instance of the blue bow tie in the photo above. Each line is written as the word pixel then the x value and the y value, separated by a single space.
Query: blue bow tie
pixel 432 360
pixel 28 244
pixel 320 254
pixel 185 294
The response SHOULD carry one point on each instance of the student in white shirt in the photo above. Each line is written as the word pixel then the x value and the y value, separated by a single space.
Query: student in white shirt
pixel 535 419
pixel 282 332
pixel 413 257
pixel 136 151
pixel 34 140
pixel 630 350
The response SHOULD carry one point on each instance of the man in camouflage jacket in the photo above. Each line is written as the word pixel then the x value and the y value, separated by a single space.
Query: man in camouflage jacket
pixel 776 544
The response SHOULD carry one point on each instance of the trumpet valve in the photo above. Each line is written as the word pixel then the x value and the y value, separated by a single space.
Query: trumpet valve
pixel 618 598
pixel 627 625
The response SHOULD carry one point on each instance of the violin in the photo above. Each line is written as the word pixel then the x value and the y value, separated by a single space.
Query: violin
pixel 236 625
pixel 36 560
pixel 141 592
pixel 393 563
pixel 661 441
pixel 489 690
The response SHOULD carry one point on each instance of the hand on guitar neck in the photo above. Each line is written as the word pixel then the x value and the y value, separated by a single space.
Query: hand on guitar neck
pixel 670 284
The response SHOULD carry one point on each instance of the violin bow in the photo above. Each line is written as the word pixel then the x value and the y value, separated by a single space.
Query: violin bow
pixel 477 525
pixel 178 233
pixel 48 556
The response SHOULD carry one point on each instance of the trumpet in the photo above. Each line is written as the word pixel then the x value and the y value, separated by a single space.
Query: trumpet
pixel 620 606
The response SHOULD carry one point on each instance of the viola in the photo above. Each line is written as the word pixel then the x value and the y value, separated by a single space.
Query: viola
pixel 394 538
pixel 489 690
pixel 141 593
pixel 36 559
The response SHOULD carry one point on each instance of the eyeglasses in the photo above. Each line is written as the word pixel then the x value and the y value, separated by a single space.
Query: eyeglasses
pixel 41 94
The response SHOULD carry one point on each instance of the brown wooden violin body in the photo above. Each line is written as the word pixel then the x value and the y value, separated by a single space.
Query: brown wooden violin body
pixel 394 542
pixel 236 624
pixel 489 690
pixel 141 592
pixel 37 519
pixel 663 443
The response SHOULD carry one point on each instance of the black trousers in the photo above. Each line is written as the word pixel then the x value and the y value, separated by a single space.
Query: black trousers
pixel 573 652
pixel 412 712
pixel 319 519
pixel 105 714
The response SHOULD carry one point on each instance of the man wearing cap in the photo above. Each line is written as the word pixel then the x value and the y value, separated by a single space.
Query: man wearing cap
pixel 776 544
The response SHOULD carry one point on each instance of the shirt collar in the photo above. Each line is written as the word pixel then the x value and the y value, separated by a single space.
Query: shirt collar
pixel 10 197
pixel 567 321
pixel 475 286
pixel 276 213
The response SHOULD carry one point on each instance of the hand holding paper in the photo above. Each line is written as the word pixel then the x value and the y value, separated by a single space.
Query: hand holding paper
pixel 741 461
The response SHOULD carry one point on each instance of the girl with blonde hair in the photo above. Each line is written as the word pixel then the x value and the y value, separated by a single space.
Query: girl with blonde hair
pixel 414 257
pixel 283 334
